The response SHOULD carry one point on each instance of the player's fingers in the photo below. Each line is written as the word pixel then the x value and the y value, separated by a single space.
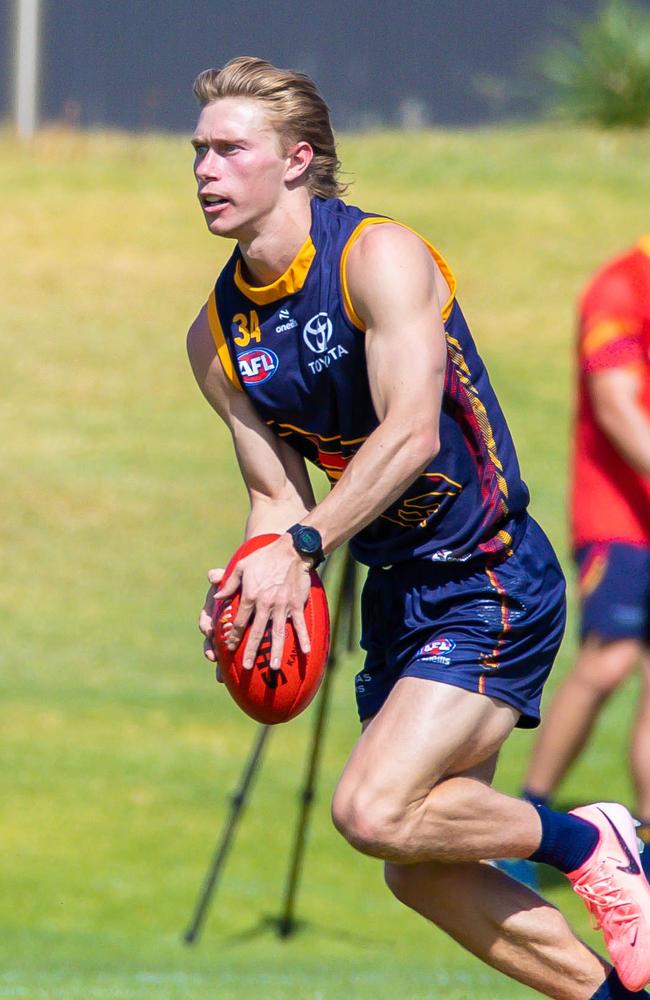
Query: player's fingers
pixel 215 576
pixel 255 636
pixel 245 610
pixel 205 622
pixel 232 583
pixel 298 619
pixel 208 651
pixel 280 616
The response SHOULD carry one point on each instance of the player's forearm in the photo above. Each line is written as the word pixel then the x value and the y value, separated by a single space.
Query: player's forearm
pixel 385 465
pixel 274 516
pixel 628 429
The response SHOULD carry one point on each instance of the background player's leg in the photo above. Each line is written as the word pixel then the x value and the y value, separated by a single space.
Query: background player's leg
pixel 600 668
pixel 640 746
pixel 403 796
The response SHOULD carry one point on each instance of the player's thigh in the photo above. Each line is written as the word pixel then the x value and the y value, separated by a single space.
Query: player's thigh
pixel 425 731
pixel 605 663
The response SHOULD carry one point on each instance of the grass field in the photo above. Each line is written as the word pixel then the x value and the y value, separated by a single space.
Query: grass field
pixel 117 751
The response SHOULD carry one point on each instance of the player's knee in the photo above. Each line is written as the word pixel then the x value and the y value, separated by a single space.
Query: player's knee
pixel 603 666
pixel 371 826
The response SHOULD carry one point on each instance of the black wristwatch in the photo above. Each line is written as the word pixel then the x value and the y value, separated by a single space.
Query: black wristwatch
pixel 307 542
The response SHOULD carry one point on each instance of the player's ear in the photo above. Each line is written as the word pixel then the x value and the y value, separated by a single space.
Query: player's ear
pixel 299 157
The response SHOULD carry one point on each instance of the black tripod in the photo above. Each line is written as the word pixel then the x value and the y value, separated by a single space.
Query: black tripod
pixel 342 638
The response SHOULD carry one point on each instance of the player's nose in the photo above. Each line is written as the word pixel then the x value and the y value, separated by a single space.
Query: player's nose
pixel 208 167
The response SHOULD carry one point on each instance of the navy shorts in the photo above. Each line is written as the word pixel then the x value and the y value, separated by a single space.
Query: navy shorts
pixel 492 628
pixel 614 584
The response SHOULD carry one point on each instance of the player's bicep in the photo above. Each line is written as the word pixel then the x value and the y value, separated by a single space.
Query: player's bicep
pixel 393 285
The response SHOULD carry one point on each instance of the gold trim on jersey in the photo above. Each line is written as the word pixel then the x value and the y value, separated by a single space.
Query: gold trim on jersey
pixel 287 284
pixel 447 273
pixel 478 408
pixel 220 342
pixel 301 430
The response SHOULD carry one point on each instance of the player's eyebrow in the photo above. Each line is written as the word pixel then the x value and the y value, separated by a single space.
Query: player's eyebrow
pixel 200 140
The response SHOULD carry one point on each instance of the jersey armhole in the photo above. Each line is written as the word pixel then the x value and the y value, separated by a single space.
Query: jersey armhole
pixel 446 271
pixel 220 342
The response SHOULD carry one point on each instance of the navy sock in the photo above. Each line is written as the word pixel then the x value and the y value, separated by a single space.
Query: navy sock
pixel 613 989
pixel 534 798
pixel 567 841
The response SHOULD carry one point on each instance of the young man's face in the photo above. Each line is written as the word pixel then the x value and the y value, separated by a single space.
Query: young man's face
pixel 239 166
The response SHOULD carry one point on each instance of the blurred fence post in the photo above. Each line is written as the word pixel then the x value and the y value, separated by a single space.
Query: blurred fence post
pixel 27 66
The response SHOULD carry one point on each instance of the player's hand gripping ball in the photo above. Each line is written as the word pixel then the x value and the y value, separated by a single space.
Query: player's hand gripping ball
pixel 268 695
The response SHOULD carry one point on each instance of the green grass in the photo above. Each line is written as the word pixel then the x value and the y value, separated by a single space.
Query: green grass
pixel 118 753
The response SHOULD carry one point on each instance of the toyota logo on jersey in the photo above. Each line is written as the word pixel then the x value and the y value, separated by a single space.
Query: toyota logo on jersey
pixel 258 365
pixel 317 333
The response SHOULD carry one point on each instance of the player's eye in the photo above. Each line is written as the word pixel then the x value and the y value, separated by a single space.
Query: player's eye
pixel 200 149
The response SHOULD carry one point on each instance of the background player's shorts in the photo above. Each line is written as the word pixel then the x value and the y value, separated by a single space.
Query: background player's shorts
pixel 490 628
pixel 614 584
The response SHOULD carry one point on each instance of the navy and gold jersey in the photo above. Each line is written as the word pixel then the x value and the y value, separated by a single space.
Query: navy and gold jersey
pixel 296 347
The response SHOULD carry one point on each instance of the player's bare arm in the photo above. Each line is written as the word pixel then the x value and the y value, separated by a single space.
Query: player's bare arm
pixel 395 289
pixel 279 491
pixel 615 396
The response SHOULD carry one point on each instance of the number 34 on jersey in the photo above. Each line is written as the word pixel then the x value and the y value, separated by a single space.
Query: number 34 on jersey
pixel 249 328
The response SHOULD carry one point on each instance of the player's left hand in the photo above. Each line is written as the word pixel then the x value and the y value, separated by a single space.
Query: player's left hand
pixel 274 584
pixel 215 577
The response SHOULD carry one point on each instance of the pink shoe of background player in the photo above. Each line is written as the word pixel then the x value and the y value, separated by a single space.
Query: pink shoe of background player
pixel 615 890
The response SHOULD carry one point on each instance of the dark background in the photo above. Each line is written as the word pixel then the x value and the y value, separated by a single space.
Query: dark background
pixel 130 63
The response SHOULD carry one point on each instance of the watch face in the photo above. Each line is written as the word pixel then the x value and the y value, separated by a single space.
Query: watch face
pixel 308 539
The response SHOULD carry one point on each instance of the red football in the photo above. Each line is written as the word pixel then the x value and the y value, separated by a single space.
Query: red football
pixel 273 695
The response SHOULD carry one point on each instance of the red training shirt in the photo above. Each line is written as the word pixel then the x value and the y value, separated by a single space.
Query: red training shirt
pixel 611 501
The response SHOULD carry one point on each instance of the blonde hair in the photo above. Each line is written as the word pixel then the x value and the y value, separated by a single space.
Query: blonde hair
pixel 295 108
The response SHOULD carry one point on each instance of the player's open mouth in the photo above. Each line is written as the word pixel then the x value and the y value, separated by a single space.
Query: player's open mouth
pixel 213 202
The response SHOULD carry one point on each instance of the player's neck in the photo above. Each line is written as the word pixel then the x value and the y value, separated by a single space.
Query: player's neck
pixel 271 250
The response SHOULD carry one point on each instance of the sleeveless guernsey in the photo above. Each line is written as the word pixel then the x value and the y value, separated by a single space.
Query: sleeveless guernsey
pixel 296 348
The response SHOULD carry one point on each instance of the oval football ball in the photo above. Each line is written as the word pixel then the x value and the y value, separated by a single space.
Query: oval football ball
pixel 272 696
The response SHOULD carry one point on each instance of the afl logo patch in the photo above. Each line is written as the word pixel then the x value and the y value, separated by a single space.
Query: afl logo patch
pixel 437 651
pixel 258 365
pixel 438 646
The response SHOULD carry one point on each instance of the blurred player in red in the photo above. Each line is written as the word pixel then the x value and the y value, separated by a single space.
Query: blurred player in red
pixel 610 522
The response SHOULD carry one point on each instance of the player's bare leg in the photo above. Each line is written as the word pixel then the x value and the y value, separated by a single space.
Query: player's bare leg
pixel 599 669
pixel 404 797
pixel 503 923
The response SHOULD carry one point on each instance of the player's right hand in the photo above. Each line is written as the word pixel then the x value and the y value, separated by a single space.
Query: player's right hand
pixel 205 619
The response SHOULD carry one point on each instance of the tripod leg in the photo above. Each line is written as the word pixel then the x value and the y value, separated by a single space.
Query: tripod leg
pixel 346 587
pixel 237 804
pixel 287 922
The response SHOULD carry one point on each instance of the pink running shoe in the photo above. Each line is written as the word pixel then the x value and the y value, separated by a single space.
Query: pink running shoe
pixel 615 891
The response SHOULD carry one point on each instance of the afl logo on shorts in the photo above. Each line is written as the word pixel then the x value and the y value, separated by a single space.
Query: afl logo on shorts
pixel 258 365
pixel 437 651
